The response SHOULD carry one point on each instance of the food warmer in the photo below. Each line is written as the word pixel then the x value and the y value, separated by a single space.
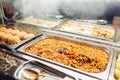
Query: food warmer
pixel 59 49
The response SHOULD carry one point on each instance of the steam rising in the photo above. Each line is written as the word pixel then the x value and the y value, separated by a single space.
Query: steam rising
pixel 70 8
pixel 82 8
pixel 37 8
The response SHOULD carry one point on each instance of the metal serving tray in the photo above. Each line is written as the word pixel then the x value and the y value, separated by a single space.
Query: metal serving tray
pixel 8 61
pixel 20 27
pixel 41 23
pixel 112 71
pixel 86 28
pixel 34 70
pixel 102 75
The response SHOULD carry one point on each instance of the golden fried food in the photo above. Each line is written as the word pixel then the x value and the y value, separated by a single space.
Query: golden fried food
pixel 117 68
pixel 9 35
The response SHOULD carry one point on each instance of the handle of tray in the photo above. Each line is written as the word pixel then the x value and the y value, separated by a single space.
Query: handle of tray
pixel 19 68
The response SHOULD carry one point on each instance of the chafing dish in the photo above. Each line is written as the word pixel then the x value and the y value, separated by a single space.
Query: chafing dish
pixel 14 34
pixel 87 29
pixel 101 75
pixel 33 70
pixel 9 62
pixel 115 68
pixel 42 23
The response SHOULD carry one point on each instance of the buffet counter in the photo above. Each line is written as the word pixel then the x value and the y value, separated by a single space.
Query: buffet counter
pixel 69 50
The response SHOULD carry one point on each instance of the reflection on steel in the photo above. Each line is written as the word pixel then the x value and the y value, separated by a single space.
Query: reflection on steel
pixel 2 8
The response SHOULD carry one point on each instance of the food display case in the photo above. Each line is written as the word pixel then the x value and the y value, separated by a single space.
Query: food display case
pixel 65 47
pixel 107 45
pixel 52 48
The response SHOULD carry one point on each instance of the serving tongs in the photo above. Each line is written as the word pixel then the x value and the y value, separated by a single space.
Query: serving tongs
pixel 62 74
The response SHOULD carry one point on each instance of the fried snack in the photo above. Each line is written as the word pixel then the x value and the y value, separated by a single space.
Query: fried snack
pixel 2 29
pixel 13 39
pixel 12 35
pixel 117 69
pixel 77 55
